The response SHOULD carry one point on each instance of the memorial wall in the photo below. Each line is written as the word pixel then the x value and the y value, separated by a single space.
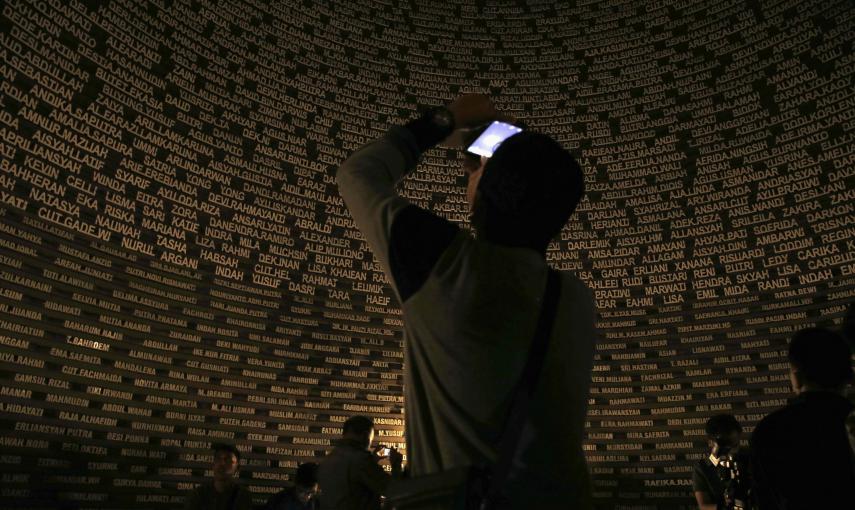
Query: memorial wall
pixel 177 268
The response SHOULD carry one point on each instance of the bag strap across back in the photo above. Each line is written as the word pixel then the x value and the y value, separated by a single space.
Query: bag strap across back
pixel 521 403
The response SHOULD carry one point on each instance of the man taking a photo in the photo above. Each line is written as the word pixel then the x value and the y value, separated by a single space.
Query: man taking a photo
pixel 470 305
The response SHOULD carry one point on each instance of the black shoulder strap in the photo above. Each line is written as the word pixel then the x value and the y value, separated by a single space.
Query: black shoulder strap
pixel 525 389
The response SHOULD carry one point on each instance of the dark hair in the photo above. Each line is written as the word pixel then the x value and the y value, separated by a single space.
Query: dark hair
pixel 358 424
pixel 224 447
pixel 722 424
pixel 528 191
pixel 822 357
pixel 307 475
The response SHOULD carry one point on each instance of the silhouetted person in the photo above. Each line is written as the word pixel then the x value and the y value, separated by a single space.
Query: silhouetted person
pixel 801 459
pixel 349 477
pixel 302 496
pixel 223 492
pixel 721 481
pixel 470 305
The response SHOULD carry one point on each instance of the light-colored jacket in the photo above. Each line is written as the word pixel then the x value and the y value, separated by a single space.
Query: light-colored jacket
pixel 467 332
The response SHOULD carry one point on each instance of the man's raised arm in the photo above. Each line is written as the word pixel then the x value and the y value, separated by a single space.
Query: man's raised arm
pixel 367 180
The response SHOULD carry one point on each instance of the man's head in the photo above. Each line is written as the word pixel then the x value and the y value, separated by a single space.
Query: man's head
pixel 226 461
pixel 819 360
pixel 306 482
pixel 723 433
pixel 359 428
pixel 526 192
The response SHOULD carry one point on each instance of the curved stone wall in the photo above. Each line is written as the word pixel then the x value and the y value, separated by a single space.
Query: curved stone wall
pixel 177 267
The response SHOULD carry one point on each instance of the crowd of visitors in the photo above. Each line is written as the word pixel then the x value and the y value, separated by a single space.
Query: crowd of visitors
pixel 799 457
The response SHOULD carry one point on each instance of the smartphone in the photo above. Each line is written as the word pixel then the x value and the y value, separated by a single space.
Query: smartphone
pixel 492 137
pixel 384 452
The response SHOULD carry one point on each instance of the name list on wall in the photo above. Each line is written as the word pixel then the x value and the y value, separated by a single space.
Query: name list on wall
pixel 177 268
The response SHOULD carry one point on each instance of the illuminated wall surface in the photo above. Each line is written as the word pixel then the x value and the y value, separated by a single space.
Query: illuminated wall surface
pixel 178 269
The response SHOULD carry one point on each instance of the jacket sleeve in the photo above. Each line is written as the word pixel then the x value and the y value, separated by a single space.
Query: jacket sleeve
pixel 405 239
pixel 366 182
